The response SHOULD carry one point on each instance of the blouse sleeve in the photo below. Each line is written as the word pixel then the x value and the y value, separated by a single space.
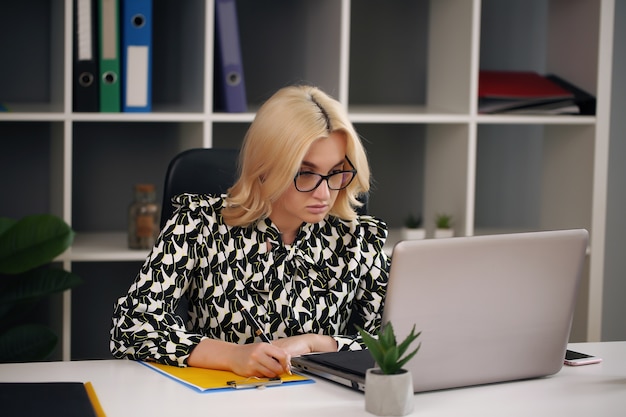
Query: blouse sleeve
pixel 145 323
pixel 369 300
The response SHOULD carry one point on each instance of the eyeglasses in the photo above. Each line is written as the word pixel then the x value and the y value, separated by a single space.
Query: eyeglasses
pixel 306 181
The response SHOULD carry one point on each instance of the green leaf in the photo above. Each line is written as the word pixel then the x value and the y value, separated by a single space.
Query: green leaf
pixel 385 349
pixel 5 224
pixel 408 357
pixel 27 343
pixel 407 342
pixel 36 284
pixel 387 336
pixel 390 365
pixel 33 241
pixel 373 345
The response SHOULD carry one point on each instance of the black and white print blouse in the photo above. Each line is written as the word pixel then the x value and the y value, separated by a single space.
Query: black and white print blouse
pixel 332 277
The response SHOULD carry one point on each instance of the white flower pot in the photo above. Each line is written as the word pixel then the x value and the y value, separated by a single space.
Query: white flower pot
pixel 388 395
pixel 413 234
pixel 444 233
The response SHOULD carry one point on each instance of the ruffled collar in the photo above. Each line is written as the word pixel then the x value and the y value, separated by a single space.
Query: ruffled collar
pixel 297 259
pixel 269 233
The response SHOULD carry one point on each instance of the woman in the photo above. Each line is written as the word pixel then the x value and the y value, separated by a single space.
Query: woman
pixel 285 245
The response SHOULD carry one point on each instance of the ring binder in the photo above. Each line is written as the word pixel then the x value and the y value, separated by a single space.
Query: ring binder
pixel 137 55
pixel 110 92
pixel 229 82
pixel 85 88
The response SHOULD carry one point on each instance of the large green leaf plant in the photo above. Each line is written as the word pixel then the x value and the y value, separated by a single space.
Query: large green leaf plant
pixel 27 247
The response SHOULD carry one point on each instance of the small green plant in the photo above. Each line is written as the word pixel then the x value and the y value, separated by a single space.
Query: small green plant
pixel 443 221
pixel 413 222
pixel 386 351
pixel 27 247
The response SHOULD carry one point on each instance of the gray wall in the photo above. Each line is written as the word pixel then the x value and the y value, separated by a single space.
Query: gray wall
pixel 614 303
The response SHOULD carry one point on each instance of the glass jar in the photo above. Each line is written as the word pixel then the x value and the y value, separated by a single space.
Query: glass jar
pixel 143 218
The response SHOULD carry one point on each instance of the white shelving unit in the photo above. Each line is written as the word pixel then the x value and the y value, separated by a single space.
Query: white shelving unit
pixel 407 72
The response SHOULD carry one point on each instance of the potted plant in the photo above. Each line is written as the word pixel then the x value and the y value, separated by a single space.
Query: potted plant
pixel 412 229
pixel 27 247
pixel 389 388
pixel 443 225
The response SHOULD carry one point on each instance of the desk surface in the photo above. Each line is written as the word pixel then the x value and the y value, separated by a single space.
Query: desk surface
pixel 126 388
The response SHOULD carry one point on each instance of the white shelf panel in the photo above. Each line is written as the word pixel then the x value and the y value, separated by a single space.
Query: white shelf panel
pixel 32 113
pixel 110 247
pixel 138 117
pixel 403 114
pixel 234 117
pixel 539 119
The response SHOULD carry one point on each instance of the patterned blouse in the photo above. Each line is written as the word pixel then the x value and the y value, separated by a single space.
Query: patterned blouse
pixel 333 277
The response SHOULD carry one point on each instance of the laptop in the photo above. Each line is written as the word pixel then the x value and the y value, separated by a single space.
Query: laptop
pixel 490 308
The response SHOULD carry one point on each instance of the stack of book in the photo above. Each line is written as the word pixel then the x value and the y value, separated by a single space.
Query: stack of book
pixel 527 92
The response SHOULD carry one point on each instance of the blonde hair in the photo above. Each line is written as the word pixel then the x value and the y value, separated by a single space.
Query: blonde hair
pixel 275 145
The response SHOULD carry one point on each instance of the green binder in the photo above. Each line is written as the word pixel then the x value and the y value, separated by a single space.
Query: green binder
pixel 110 82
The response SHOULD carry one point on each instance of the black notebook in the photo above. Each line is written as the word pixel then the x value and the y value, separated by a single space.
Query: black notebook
pixel 67 399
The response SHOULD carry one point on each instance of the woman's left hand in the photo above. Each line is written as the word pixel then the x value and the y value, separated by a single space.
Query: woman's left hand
pixel 306 343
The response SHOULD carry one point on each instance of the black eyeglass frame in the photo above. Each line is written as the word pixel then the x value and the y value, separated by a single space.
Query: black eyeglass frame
pixel 353 171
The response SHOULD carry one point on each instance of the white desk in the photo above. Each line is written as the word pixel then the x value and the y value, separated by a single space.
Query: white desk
pixel 128 389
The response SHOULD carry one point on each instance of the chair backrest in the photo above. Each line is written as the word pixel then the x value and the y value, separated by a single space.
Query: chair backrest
pixel 205 171
pixel 198 171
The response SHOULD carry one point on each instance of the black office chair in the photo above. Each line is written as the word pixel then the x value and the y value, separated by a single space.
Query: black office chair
pixel 198 171
pixel 205 171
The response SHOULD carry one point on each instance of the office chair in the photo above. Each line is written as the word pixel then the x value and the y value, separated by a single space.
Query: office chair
pixel 205 171
pixel 198 171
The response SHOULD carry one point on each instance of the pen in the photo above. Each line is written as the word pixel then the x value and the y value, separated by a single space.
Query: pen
pixel 256 327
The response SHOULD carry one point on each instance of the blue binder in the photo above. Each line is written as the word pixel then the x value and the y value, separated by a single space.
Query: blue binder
pixel 137 55
pixel 229 82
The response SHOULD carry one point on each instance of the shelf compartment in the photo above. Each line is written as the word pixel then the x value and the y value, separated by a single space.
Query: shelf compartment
pixel 32 180
pixel 533 177
pixel 448 173
pixel 228 135
pixel 32 66
pixel 388 53
pixel 178 71
pixel 396 156
pixel 103 177
pixel 285 42
pixel 92 305
pixel 559 37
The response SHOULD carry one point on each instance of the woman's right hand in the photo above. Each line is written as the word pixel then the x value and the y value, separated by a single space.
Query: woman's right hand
pixel 255 359
pixel 260 359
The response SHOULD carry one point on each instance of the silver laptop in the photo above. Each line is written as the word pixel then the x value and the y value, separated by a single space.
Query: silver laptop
pixel 490 308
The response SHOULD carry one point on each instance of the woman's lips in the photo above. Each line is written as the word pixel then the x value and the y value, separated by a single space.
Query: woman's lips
pixel 317 208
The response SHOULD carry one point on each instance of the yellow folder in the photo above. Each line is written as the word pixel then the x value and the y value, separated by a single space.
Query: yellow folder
pixel 204 380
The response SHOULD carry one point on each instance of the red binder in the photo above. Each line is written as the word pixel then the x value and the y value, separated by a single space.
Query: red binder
pixel 518 85
pixel 523 92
